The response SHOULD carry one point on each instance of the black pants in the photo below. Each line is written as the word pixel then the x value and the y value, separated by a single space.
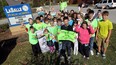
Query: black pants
pixel 36 49
pixel 84 49
pixel 66 45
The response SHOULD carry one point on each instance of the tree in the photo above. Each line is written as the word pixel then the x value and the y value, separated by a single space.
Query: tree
pixel 3 3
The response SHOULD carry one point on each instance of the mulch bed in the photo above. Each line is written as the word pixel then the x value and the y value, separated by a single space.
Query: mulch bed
pixel 7 35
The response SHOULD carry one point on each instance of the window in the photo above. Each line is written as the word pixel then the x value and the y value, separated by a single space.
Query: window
pixel 100 2
pixel 104 1
pixel 114 0
pixel 109 1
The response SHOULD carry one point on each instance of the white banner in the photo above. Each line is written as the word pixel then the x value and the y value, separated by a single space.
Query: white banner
pixel 43 44
pixel 42 41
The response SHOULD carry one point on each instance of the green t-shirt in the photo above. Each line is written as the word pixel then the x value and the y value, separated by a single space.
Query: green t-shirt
pixel 32 38
pixel 99 19
pixel 47 25
pixel 53 30
pixel 104 26
pixel 28 26
pixel 40 26
pixel 94 24
pixel 48 38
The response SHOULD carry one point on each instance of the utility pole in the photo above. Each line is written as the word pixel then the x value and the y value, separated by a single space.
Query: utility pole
pixel 50 4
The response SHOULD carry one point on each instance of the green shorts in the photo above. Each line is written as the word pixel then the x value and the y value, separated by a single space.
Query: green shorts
pixel 101 42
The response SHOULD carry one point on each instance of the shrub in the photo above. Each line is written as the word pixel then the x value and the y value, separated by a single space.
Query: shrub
pixel 4 27
pixel 3 3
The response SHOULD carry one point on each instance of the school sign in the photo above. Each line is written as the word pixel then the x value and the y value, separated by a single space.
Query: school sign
pixel 18 13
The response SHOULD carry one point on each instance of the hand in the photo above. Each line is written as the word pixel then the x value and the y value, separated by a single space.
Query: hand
pixel 107 41
pixel 103 6
pixel 74 25
pixel 90 35
pixel 22 24
pixel 79 22
pixel 96 38
pixel 89 23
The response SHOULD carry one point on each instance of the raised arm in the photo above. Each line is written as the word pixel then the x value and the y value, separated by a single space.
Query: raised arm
pixel 77 28
pixel 91 29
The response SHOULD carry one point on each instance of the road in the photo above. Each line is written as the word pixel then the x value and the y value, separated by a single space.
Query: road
pixel 112 12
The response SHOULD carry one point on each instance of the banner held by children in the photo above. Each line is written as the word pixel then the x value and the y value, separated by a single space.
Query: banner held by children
pixel 42 41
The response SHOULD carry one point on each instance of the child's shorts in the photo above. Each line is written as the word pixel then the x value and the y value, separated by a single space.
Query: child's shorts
pixel 101 41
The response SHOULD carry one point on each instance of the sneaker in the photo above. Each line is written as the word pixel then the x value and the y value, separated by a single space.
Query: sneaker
pixel 62 57
pixel 92 53
pixel 83 56
pixel 104 56
pixel 87 58
pixel 69 57
pixel 98 54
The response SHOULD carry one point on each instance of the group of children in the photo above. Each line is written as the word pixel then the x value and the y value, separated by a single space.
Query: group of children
pixel 67 31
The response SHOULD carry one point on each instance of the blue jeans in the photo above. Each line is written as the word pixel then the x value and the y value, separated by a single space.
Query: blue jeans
pixel 60 48
pixel 91 43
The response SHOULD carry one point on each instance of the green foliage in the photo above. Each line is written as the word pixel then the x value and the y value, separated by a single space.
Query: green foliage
pixel 2 4
pixel 36 3
pixel 4 27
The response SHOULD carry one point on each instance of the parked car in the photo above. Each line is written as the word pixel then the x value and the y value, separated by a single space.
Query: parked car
pixel 106 3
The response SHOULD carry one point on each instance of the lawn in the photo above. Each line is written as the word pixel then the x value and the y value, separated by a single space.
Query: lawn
pixel 22 55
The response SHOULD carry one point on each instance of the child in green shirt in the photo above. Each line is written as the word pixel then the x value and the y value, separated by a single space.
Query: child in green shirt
pixel 50 43
pixel 40 25
pixel 34 41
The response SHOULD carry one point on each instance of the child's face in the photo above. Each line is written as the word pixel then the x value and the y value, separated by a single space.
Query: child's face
pixel 62 18
pixel 79 16
pixel 91 15
pixel 55 20
pixel 72 12
pixel 105 17
pixel 75 15
pixel 46 21
pixel 32 30
pixel 46 31
pixel 70 18
pixel 52 23
pixel 84 26
pixel 38 21
pixel 66 15
pixel 30 21
pixel 66 22
pixel 41 18
pixel 49 16
pixel 99 14
pixel 59 23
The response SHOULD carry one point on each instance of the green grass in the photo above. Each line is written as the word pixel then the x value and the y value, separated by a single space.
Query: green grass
pixel 22 53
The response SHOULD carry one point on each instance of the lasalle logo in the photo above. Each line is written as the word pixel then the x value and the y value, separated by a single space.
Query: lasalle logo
pixel 19 9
